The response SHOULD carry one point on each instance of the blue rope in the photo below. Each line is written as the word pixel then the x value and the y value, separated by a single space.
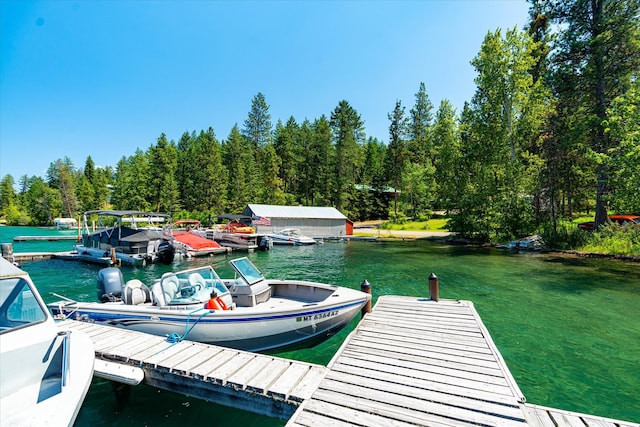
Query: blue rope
pixel 174 337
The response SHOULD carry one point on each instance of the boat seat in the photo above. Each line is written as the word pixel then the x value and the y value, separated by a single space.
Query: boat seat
pixel 135 292
pixel 196 279
pixel 165 290
pixel 195 283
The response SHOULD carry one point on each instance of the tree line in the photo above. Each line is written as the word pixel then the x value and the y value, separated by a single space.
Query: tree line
pixel 553 129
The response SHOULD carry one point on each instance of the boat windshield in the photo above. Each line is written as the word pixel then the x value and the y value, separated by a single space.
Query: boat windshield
pixel 247 270
pixel 18 304
pixel 190 286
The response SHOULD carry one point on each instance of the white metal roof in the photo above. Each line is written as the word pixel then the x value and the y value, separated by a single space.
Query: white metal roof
pixel 310 212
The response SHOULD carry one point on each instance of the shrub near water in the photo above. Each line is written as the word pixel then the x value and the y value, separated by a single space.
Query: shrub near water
pixel 614 239
pixel 565 236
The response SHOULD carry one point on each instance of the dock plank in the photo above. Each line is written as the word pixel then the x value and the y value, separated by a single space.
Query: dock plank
pixel 425 380
pixel 447 405
pixel 233 365
pixel 207 370
pixel 263 380
pixel 186 367
pixel 286 382
pixel 253 367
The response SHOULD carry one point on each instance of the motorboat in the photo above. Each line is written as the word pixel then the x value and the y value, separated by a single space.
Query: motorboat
pixel 237 233
pixel 126 237
pixel 262 315
pixel 191 241
pixel 290 236
pixel 65 223
pixel 45 369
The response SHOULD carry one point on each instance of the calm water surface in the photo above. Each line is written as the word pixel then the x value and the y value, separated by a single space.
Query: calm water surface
pixel 568 328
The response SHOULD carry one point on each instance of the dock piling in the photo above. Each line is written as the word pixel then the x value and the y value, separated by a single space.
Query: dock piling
pixel 434 293
pixel 365 287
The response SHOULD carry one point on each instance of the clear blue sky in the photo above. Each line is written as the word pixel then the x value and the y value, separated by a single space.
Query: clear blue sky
pixel 102 78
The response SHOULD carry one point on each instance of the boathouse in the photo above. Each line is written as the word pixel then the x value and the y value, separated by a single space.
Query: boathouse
pixel 313 221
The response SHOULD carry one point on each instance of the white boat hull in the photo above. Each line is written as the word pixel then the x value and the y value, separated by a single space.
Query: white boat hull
pixel 296 325
pixel 45 370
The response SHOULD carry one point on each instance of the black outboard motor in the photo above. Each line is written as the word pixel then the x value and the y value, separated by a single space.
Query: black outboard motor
pixel 110 284
pixel 265 243
pixel 166 252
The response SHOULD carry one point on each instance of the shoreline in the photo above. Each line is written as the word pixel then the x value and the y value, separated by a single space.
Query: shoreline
pixel 395 235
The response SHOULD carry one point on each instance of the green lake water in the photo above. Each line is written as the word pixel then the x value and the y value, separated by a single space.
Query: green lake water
pixel 568 328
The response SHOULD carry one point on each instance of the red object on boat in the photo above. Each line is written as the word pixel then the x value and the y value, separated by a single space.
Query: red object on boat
pixel 196 242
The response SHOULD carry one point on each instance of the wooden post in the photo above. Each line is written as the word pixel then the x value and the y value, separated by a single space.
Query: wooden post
pixel 366 288
pixel 434 293
pixel 113 256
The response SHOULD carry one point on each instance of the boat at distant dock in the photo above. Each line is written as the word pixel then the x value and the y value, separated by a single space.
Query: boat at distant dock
pixel 126 237
pixel 65 223
pixel 190 239
pixel 290 236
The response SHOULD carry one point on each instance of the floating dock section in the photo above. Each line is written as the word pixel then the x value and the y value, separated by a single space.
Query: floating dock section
pixel 255 382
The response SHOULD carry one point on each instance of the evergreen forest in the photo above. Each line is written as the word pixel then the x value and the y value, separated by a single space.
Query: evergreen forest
pixel 552 132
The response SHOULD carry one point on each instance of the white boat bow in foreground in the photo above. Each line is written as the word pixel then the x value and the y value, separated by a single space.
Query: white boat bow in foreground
pixel 45 371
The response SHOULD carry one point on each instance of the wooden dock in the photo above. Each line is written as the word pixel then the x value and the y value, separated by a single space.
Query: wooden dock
pixel 411 361
pixel 415 361
pixel 253 382
pixel 45 238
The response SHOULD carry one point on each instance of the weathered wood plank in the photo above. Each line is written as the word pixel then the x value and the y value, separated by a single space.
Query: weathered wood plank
pixel 263 380
pixel 187 366
pixel 158 359
pixel 252 368
pixel 233 365
pixel 426 356
pixel 308 384
pixel 207 370
pixel 476 343
pixel 442 383
pixel 432 343
pixel 312 419
pixel 154 347
pixel 285 383
pixel 537 417
pixel 569 420
pixel 363 416
pixel 563 418
pixel 127 349
pixel 421 399
pixel 188 351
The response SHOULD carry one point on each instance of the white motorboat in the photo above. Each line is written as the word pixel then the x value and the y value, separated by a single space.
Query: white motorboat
pixel 125 237
pixel 262 314
pixel 45 370
pixel 290 236
pixel 65 223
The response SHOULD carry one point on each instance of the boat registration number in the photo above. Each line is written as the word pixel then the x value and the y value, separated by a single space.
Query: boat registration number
pixel 318 316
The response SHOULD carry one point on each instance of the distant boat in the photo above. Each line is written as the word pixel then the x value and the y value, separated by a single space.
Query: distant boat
pixel 132 237
pixel 238 233
pixel 290 236
pixel 190 239
pixel 248 312
pixel 45 370
pixel 65 223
